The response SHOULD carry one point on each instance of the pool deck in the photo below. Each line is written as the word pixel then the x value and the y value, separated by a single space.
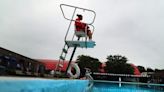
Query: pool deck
pixel 30 78
pixel 18 78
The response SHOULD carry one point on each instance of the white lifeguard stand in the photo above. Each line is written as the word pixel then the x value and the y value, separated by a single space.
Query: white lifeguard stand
pixel 74 38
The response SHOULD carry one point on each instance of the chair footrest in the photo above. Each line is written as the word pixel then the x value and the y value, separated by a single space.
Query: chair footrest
pixel 82 44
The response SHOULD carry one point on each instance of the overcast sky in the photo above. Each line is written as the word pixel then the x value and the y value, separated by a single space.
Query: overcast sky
pixel 132 28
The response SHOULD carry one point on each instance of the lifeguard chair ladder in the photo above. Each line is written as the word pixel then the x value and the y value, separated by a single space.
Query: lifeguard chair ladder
pixel 73 43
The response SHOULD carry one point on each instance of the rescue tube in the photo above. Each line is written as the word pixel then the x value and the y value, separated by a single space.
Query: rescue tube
pixel 77 71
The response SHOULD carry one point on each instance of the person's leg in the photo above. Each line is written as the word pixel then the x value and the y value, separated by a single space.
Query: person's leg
pixel 89 34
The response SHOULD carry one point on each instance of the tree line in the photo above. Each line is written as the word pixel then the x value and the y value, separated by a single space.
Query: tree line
pixel 116 64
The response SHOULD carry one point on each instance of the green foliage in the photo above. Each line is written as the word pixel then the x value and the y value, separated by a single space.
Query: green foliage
pixel 150 70
pixel 141 69
pixel 88 62
pixel 157 70
pixel 118 64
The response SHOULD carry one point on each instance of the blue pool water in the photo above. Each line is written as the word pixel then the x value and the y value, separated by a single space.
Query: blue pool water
pixel 49 85
pixel 41 85
pixel 126 87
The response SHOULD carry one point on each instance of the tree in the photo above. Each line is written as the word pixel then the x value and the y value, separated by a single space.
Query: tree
pixel 88 62
pixel 118 64
pixel 141 69
pixel 157 70
pixel 150 70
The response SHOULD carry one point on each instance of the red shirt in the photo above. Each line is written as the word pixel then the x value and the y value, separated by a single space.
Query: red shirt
pixel 79 25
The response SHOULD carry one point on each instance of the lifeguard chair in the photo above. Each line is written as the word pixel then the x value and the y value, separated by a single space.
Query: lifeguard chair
pixel 76 39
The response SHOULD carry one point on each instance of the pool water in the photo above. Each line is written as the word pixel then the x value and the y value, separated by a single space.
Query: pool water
pixel 17 84
pixel 117 87
pixel 14 84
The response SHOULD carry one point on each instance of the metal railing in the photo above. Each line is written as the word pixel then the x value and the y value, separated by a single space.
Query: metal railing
pixel 72 20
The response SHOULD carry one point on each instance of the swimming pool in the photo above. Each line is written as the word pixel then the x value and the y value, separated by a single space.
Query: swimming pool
pixel 111 86
pixel 17 84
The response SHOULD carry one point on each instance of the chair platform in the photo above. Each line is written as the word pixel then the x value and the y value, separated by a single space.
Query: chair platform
pixel 81 44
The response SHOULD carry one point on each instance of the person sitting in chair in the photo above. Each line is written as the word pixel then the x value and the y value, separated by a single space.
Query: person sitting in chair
pixel 80 26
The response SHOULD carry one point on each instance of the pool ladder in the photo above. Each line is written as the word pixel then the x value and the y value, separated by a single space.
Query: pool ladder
pixel 90 78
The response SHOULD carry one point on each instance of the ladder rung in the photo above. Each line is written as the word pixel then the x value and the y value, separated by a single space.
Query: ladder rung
pixel 64 50
pixel 58 72
pixel 66 46
pixel 61 57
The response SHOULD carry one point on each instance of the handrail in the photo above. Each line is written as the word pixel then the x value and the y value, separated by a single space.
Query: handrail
pixel 90 78
pixel 77 8
pixel 134 83
pixel 71 20
pixel 69 25
pixel 123 75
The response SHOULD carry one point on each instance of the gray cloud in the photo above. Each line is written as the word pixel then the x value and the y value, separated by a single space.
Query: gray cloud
pixel 133 28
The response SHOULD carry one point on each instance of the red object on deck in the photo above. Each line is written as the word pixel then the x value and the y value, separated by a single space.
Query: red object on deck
pixel 136 71
pixel 101 70
pixel 51 64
